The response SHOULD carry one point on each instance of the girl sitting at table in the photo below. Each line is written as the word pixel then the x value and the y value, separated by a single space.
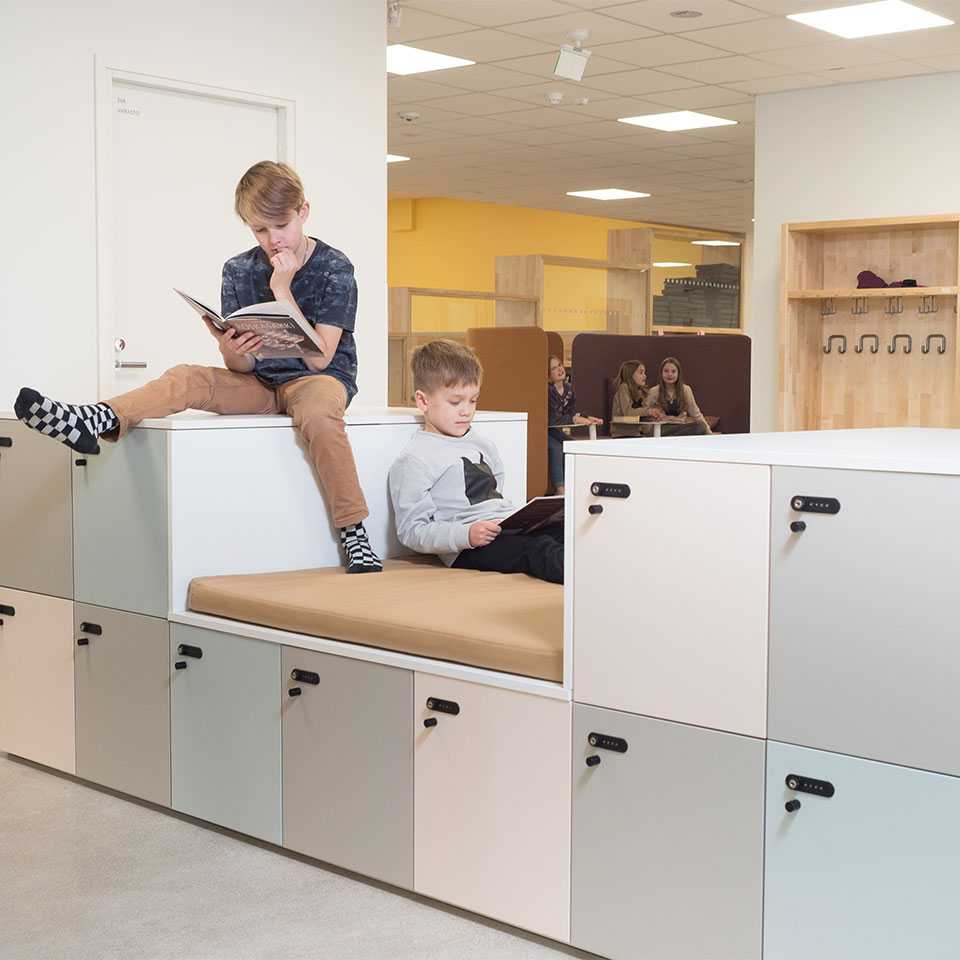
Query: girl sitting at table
pixel 630 394
pixel 561 411
pixel 675 401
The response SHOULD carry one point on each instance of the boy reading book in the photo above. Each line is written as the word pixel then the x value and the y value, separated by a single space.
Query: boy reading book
pixel 286 265
pixel 446 486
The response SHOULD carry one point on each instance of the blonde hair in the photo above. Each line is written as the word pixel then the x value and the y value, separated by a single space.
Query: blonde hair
pixel 444 363
pixel 268 191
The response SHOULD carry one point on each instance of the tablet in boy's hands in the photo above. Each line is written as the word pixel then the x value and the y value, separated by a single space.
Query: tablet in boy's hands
pixel 540 512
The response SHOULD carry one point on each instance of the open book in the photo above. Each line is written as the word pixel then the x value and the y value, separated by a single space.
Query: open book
pixel 283 333
pixel 538 513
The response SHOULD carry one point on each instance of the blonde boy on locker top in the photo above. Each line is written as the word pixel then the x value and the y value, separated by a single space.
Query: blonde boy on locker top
pixel 446 486
pixel 286 264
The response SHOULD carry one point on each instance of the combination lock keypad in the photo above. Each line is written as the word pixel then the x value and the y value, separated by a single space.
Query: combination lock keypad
pixel 819 788
pixel 604 741
pixel 443 706
pixel 804 504
pixel 619 490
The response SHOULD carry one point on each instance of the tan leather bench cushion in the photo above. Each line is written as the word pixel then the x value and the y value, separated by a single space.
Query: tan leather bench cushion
pixel 508 622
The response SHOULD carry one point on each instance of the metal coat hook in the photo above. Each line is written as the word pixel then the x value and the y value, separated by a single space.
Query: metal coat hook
pixel 874 347
pixel 901 336
pixel 828 346
pixel 858 306
pixel 827 308
pixel 928 305
pixel 894 306
pixel 941 346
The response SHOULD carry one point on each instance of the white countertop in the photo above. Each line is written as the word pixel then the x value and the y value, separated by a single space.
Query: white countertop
pixel 894 449
pixel 194 420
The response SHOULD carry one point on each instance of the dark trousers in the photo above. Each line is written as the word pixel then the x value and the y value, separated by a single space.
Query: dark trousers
pixel 555 440
pixel 537 554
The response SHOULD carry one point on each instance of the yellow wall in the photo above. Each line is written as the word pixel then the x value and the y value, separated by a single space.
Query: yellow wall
pixel 450 244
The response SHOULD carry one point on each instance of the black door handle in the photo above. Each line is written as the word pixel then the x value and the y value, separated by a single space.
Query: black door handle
pixel 798 526
pixel 82 641
pixel 82 462
pixel 295 691
pixel 305 676
pixel 6 441
pixel 792 806
pixel 7 610
pixel 185 650
pixel 595 508
pixel 180 665
pixel 430 722
pixel 92 628
pixel 593 761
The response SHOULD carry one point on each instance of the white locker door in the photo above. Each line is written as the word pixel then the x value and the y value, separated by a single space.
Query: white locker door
pixel 175 161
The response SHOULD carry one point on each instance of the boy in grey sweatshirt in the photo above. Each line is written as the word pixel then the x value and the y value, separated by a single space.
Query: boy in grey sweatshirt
pixel 446 485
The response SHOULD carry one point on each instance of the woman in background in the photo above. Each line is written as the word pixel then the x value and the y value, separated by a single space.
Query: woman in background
pixel 629 397
pixel 561 411
pixel 674 398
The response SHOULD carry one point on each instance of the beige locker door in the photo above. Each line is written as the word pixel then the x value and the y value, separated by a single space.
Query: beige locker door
pixel 671 591
pixel 492 803
pixel 176 157
pixel 36 679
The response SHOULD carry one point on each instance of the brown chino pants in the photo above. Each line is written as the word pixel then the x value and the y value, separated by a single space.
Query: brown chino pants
pixel 316 404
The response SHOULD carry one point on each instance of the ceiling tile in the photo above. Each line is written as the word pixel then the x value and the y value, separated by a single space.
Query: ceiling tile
pixel 640 82
pixel 416 25
pixel 492 13
pixel 741 112
pixel 797 81
pixel 877 71
pixel 656 14
pixel 536 93
pixel 484 77
pixel 616 107
pixel 486 45
pixel 718 149
pixel 543 64
pixel 923 44
pixel 407 89
pixel 771 33
pixel 542 117
pixel 824 56
pixel 542 136
pixel 785 7
pixel 658 51
pixel 601 28
pixel 450 147
pixel 698 98
pixel 477 104
pixel 945 64
pixel 404 139
pixel 726 70
pixel 429 111
pixel 475 125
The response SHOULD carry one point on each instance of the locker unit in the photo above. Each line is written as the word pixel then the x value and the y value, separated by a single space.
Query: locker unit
pixel 492 802
pixel 863 653
pixel 123 701
pixel 689 541
pixel 35 512
pixel 667 851
pixel 225 730
pixel 120 525
pixel 869 872
pixel 36 678
pixel 348 763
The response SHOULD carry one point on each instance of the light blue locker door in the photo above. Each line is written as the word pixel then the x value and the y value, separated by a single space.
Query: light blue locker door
pixel 871 873
pixel 225 730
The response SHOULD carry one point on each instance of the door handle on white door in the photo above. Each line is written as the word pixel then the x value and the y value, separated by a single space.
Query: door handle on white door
pixel 129 364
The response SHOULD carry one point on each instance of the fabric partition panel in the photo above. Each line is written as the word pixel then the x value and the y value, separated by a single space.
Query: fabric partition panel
pixel 717 367
pixel 515 378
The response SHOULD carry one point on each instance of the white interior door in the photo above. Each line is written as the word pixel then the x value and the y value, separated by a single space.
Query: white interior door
pixel 167 220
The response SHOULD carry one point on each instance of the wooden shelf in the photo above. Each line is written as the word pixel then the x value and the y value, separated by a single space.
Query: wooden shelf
pixel 586 264
pixel 871 293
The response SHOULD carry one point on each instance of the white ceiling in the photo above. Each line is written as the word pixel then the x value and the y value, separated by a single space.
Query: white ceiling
pixel 486 133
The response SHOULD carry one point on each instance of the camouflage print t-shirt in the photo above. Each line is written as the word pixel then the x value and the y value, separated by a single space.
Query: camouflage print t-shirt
pixel 325 291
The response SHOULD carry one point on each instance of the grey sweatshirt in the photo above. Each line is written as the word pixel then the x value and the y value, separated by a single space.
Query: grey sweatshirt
pixel 441 485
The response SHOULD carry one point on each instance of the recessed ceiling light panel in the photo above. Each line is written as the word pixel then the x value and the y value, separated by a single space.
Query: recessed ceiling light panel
pixel 677 120
pixel 403 60
pixel 871 19
pixel 609 193
pixel 715 243
pixel 395 158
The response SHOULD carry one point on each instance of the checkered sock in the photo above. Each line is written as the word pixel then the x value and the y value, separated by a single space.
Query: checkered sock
pixel 77 425
pixel 357 551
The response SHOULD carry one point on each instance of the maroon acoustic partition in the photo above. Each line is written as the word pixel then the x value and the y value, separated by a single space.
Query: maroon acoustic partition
pixel 717 367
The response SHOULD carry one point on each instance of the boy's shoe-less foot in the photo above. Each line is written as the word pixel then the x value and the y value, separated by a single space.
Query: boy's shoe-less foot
pixel 77 425
pixel 357 552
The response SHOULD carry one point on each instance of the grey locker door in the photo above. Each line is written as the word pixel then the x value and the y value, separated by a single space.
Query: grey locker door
pixel 120 525
pixel 667 841
pixel 36 536
pixel 864 658
pixel 123 701
pixel 868 874
pixel 348 764
pixel 225 731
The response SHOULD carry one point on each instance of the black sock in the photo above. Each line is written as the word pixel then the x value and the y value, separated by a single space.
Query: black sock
pixel 77 425
pixel 358 554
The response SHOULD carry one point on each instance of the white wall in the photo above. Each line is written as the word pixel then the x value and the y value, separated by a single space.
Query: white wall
pixel 329 52
pixel 880 149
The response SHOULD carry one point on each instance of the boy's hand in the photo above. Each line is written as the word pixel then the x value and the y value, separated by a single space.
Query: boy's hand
pixel 285 265
pixel 235 349
pixel 483 532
